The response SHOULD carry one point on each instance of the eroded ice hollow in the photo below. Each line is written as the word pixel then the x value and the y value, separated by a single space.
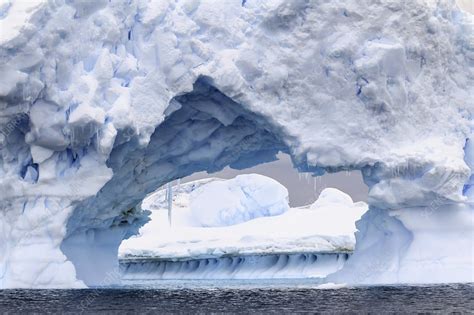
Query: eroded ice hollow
pixel 102 103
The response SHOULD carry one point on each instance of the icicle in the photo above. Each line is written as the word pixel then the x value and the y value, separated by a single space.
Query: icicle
pixel 315 187
pixel 169 197
pixel 178 184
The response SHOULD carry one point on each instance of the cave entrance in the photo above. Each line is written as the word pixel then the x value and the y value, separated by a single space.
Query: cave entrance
pixel 203 131
pixel 208 135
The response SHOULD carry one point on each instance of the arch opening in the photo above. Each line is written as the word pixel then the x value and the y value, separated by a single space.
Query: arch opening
pixel 245 222
pixel 204 130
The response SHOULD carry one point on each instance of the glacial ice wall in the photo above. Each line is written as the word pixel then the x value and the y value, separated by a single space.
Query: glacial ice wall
pixel 101 103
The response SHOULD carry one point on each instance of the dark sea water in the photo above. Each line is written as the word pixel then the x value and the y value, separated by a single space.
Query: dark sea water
pixel 241 296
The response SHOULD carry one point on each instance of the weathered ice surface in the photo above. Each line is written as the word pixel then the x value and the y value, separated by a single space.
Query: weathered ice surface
pixel 271 266
pixel 103 102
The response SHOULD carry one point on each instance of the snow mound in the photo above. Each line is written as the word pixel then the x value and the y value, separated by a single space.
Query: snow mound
pixel 246 197
pixel 332 196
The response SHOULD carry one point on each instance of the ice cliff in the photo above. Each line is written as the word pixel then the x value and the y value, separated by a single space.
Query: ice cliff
pixel 103 102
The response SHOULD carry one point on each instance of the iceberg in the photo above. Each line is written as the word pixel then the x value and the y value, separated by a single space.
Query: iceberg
pixel 327 226
pixel 310 241
pixel 101 103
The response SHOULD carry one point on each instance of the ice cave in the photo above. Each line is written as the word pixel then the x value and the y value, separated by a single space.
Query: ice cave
pixel 102 103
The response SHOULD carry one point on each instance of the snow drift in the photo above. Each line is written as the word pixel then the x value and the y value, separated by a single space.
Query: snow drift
pixel 101 103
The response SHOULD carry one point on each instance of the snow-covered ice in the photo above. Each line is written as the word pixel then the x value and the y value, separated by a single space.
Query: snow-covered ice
pixel 246 197
pixel 328 225
pixel 101 103
pixel 309 241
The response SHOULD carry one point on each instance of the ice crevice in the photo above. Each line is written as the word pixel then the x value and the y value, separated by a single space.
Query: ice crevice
pixel 103 103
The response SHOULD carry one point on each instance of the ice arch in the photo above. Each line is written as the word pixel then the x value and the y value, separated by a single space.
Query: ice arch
pixel 379 86
pixel 204 130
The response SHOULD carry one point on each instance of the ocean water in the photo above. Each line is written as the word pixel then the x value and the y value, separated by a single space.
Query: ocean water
pixel 285 296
